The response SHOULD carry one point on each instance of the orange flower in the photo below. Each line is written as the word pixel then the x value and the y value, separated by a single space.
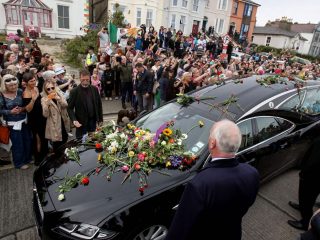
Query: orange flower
pixel 167 132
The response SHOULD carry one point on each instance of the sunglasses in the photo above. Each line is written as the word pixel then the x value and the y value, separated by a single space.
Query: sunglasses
pixel 50 89
pixel 11 80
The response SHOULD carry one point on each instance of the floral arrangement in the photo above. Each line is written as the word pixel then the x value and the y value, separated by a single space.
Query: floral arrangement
pixel 269 80
pixel 132 150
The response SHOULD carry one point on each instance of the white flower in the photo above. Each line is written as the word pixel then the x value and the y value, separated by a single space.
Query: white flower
pixel 61 197
pixel 179 142
pixel 184 136
pixel 114 144
pixel 122 135
pixel 163 143
pixel 66 151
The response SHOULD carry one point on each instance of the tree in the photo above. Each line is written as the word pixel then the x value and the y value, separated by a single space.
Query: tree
pixel 117 17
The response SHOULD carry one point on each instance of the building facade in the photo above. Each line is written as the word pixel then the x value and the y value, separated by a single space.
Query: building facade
pixel 55 18
pixel 278 38
pixel 139 12
pixel 315 43
pixel 243 19
pixel 218 14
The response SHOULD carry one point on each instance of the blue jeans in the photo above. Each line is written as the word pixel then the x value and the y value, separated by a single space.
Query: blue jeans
pixel 21 146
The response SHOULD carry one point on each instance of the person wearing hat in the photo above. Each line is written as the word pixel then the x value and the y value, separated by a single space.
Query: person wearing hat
pixel 63 84
pixel 13 111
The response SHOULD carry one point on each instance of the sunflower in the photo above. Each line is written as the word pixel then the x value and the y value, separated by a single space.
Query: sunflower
pixel 167 132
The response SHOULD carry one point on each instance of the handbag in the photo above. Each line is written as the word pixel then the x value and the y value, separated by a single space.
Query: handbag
pixel 4 130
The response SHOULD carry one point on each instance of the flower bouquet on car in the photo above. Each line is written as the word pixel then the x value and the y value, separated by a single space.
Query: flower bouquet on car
pixel 132 150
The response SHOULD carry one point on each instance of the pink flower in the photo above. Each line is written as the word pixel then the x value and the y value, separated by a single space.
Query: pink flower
pixel 125 168
pixel 152 144
pixel 141 156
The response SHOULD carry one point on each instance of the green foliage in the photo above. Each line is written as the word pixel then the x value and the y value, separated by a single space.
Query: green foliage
pixel 76 48
pixel 117 17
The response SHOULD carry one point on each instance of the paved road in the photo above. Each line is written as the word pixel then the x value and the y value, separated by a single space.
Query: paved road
pixel 266 220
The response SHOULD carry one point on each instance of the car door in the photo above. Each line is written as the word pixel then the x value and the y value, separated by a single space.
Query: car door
pixel 272 152
pixel 246 151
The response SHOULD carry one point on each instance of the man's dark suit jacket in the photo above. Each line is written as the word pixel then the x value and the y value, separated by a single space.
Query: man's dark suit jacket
pixel 214 202
pixel 77 109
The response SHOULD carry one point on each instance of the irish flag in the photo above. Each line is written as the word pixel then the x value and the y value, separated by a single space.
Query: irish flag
pixel 113 33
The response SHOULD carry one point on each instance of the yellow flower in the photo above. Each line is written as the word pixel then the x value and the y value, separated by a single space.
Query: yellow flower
pixel 167 132
pixel 168 164
pixel 131 153
pixel 201 123
pixel 99 157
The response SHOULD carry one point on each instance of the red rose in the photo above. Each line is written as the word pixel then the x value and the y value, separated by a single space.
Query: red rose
pixel 137 167
pixel 141 189
pixel 98 146
pixel 85 181
pixel 98 170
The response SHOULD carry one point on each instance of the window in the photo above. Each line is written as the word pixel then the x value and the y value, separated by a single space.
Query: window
pixel 46 20
pixel 247 10
pixel 185 3
pixel 173 21
pixel 149 17
pixel 138 17
pixel 235 8
pixel 195 5
pixel 269 127
pixel 306 102
pixel 223 4
pixel 268 41
pixel 221 23
pixel 174 2
pixel 182 23
pixel 247 134
pixel 63 17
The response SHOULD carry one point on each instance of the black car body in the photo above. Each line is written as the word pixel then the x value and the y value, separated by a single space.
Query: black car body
pixel 278 122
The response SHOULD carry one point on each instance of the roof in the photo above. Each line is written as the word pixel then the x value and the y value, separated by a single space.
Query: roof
pixel 28 3
pixel 303 28
pixel 251 2
pixel 273 31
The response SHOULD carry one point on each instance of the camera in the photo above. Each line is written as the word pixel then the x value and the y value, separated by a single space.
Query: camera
pixel 118 59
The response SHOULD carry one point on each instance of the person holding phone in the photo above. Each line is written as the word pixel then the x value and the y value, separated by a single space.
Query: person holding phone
pixel 54 107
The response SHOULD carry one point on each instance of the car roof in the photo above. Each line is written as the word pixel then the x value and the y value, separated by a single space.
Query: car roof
pixel 250 93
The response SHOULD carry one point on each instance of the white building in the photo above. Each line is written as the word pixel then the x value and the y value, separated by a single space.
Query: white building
pixel 306 31
pixel 139 12
pixel 55 18
pixel 218 14
pixel 185 15
pixel 278 38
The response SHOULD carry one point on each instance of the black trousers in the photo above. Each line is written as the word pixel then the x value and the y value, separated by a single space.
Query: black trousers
pixel 309 189
pixel 126 91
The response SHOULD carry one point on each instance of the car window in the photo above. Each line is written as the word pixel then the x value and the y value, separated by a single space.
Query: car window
pixel 307 102
pixel 269 127
pixel 247 134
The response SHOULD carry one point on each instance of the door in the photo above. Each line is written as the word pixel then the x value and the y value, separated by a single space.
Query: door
pixel 30 21
pixel 195 27
pixel 274 143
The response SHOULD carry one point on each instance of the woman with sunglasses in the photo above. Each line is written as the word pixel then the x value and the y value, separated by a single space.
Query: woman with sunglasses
pixel 54 108
pixel 36 120
pixel 13 111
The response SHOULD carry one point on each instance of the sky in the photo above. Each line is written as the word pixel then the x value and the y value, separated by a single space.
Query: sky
pixel 300 11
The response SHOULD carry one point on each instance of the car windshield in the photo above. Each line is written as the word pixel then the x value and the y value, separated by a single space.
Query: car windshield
pixel 184 118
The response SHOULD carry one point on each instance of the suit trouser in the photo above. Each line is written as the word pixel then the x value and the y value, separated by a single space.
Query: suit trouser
pixel 144 103
pixel 309 189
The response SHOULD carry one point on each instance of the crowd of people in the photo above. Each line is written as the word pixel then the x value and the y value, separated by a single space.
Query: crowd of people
pixel 40 104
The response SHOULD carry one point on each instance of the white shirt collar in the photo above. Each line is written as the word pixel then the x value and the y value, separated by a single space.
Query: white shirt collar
pixel 215 159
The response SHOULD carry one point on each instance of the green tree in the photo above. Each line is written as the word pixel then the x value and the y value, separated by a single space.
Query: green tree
pixel 117 17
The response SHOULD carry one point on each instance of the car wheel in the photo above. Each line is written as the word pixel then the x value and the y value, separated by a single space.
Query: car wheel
pixel 154 232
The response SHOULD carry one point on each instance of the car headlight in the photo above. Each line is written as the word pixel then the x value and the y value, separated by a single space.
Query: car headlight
pixel 86 231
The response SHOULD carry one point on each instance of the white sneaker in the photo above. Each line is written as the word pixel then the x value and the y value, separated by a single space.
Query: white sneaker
pixel 110 99
pixel 70 134
pixel 26 166
pixel 106 99
pixel 116 98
